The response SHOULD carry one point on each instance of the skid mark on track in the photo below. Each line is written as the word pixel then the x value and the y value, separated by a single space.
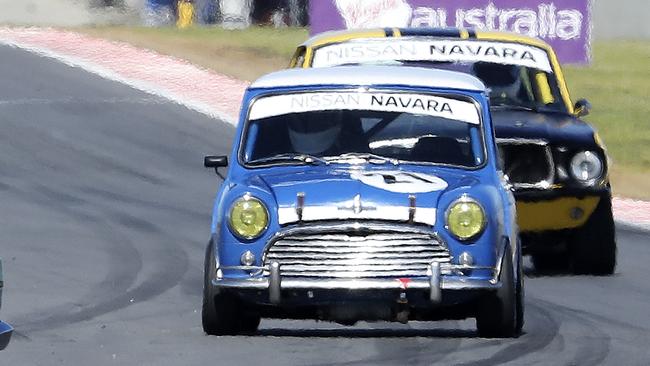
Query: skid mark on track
pixel 394 346
pixel 135 223
pixel 593 343
pixel 416 351
pixel 125 262
pixel 541 328
pixel 171 264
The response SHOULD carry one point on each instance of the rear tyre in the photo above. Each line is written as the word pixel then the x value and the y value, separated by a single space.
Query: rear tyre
pixel 546 262
pixel 498 313
pixel 593 250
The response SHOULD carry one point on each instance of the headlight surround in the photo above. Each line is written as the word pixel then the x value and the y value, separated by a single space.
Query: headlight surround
pixel 586 167
pixel 248 217
pixel 465 218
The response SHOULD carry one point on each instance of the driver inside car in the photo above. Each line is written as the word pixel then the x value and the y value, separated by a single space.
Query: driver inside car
pixel 503 81
pixel 315 137
pixel 326 134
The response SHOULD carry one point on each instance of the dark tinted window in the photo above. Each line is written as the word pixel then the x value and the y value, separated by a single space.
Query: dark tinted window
pixel 394 135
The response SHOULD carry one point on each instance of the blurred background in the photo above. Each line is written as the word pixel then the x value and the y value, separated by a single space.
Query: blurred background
pixel 229 13
pixel 612 19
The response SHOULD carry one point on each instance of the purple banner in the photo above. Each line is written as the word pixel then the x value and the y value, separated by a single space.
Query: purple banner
pixel 565 25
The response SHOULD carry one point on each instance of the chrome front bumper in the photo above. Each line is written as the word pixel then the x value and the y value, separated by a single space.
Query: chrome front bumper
pixel 435 283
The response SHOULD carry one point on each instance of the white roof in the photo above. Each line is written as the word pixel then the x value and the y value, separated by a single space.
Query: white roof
pixel 370 75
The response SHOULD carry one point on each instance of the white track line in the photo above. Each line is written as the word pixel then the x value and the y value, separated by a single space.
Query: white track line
pixel 198 89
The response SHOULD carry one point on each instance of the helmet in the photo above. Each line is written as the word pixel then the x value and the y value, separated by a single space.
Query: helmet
pixel 313 133
pixel 503 80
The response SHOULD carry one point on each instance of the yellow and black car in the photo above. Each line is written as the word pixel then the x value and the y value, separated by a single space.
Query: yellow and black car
pixel 555 162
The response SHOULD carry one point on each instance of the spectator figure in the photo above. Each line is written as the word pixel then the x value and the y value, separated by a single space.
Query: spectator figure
pixel 277 18
pixel 156 13
pixel 206 11
pixel 185 15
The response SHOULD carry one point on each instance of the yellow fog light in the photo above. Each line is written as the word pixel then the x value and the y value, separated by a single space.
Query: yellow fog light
pixel 465 218
pixel 248 217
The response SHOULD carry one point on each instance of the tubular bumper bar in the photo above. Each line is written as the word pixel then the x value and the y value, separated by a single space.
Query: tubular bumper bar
pixel 435 283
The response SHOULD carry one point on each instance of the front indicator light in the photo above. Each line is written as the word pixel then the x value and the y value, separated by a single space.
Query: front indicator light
pixel 465 219
pixel 247 258
pixel 248 218
pixel 465 259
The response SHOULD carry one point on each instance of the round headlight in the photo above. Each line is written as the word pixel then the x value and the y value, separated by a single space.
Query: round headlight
pixel 465 219
pixel 248 217
pixel 586 167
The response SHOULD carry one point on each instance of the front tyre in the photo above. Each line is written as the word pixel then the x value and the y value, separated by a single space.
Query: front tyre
pixel 593 250
pixel 219 313
pixel 500 314
pixel 520 293
pixel 250 322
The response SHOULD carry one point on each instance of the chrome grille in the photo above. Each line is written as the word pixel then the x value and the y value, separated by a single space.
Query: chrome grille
pixel 527 163
pixel 348 252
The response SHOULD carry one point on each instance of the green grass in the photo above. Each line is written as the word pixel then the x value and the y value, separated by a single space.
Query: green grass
pixel 269 41
pixel 244 54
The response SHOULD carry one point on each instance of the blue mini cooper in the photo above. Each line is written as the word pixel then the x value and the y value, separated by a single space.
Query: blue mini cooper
pixel 363 193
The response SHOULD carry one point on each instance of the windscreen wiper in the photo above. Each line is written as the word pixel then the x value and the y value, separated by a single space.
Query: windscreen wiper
pixel 303 158
pixel 515 106
pixel 528 107
pixel 369 157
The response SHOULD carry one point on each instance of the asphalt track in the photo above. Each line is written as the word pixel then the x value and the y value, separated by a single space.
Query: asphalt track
pixel 105 212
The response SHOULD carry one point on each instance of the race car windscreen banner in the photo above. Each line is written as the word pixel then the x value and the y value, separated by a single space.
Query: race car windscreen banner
pixel 449 50
pixel 427 105
pixel 565 25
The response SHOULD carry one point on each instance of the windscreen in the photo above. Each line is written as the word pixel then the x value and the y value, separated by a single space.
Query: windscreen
pixel 377 127
pixel 516 75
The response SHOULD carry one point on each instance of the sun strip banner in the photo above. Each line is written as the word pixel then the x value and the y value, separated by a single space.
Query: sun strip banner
pixel 388 102
pixel 383 49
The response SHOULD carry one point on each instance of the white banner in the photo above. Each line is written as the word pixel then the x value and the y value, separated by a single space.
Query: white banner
pixel 390 102
pixel 383 50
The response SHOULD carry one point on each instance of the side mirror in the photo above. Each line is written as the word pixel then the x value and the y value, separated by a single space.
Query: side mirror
pixel 582 108
pixel 215 161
